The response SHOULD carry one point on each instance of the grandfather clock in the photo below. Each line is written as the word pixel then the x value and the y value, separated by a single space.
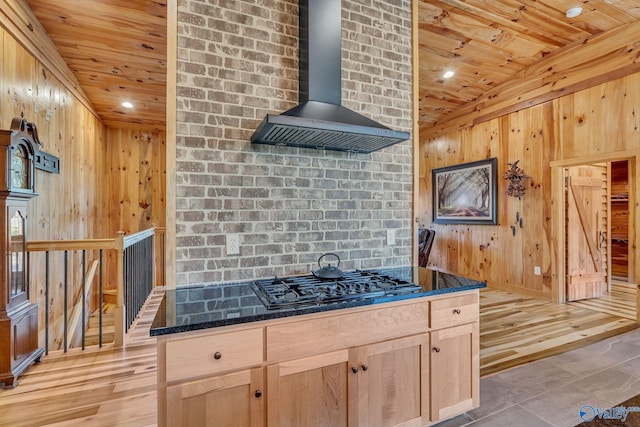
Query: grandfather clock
pixel 18 315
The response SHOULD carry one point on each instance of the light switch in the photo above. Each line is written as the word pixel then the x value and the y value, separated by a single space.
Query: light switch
pixel 233 244
pixel 391 237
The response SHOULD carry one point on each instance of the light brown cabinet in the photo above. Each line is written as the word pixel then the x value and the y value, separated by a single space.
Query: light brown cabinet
pixel 455 356
pixel 380 384
pixel 206 354
pixel 310 391
pixel 454 371
pixel 234 399
pixel 393 382
pixel 373 366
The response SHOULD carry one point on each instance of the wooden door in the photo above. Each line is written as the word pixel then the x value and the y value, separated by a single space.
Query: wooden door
pixel 393 386
pixel 454 371
pixel 313 391
pixel 585 263
pixel 230 400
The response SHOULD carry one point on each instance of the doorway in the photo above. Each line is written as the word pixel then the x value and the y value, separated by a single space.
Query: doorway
pixel 619 225
pixel 586 223
pixel 597 284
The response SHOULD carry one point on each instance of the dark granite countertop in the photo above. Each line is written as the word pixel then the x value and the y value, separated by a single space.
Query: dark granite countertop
pixel 191 308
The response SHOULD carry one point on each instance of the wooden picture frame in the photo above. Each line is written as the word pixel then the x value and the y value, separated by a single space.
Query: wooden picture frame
pixel 466 193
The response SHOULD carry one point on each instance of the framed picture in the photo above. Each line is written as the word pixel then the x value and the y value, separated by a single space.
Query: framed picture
pixel 466 193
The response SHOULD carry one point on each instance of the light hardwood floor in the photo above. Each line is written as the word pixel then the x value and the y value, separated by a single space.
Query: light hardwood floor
pixel 516 329
pixel 108 387
pixel 117 387
pixel 621 301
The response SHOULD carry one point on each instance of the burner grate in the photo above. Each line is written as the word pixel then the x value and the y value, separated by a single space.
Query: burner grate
pixel 309 290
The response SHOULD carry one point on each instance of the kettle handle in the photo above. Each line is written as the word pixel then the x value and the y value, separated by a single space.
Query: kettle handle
pixel 327 254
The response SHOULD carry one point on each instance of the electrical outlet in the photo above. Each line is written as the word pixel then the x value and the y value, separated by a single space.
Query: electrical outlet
pixel 233 244
pixel 536 270
pixel 391 237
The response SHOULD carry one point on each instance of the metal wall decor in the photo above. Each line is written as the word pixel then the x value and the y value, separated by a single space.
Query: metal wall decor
pixel 519 222
pixel 516 177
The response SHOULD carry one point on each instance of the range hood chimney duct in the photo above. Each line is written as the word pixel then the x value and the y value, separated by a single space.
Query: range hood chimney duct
pixel 320 121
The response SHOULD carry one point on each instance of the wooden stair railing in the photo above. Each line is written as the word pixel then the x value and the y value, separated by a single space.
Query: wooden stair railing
pixel 130 254
pixel 77 329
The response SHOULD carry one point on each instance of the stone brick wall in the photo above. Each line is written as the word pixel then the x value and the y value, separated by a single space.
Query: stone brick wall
pixel 238 61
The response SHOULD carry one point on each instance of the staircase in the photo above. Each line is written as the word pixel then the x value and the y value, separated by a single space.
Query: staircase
pixel 69 303
pixel 92 335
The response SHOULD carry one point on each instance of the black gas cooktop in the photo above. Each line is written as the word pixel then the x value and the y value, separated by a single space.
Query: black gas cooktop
pixel 298 291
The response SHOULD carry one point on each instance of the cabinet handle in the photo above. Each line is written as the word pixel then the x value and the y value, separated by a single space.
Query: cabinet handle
pixel 258 393
pixel 456 311
pixel 436 349
pixel 354 369
pixel 217 355
pixel 365 367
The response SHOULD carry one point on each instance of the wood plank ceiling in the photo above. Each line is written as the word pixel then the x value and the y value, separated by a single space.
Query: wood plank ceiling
pixel 117 48
pixel 117 51
pixel 487 43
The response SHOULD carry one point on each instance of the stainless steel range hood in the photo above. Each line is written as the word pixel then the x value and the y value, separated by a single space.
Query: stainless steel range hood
pixel 320 121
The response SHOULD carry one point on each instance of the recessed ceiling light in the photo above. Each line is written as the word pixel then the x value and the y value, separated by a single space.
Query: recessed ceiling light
pixel 573 12
pixel 127 104
pixel 448 74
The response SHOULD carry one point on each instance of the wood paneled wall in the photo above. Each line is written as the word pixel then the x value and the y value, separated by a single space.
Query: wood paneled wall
pixel 110 179
pixel 595 122
pixel 134 185
pixel 67 205
pixel 135 179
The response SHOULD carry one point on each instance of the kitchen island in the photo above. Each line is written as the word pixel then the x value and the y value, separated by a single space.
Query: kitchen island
pixel 224 358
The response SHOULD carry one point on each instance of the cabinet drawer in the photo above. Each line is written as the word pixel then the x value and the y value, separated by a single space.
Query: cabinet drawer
pixel 315 336
pixel 210 354
pixel 454 311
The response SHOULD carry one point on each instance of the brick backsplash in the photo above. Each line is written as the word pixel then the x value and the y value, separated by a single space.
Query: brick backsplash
pixel 237 61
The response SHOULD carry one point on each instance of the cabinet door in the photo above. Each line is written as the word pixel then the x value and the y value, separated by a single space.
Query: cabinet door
pixel 230 400
pixel 393 382
pixel 312 391
pixel 455 374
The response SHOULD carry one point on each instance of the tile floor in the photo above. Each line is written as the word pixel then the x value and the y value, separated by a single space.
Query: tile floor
pixel 551 391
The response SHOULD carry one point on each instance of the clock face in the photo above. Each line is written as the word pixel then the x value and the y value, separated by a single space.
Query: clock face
pixel 19 169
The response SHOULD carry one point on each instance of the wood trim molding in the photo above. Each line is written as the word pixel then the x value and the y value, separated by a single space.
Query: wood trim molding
pixel 518 290
pixel 415 134
pixel 609 249
pixel 70 245
pixel 137 237
pixel 171 135
pixel 634 221
pixel 18 19
pixel 558 287
pixel 596 158
pixel 586 63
